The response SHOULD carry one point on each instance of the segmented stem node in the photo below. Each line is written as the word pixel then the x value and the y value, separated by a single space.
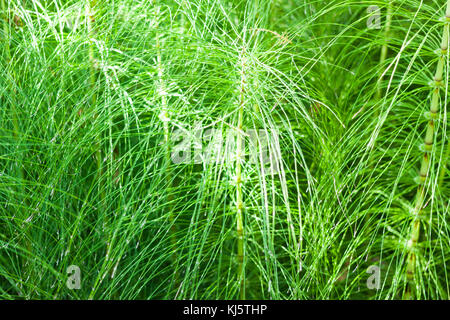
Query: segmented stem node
pixel 425 167
pixel 431 115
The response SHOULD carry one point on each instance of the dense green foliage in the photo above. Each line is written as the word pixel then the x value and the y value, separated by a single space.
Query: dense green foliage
pixel 95 95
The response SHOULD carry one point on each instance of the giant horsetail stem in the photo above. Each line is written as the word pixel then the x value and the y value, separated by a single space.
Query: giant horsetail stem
pixel 6 28
pixel 444 166
pixel 239 200
pixel 426 161
pixel 164 116
pixel 17 135
pixel 91 6
pixel 384 48
pixel 90 20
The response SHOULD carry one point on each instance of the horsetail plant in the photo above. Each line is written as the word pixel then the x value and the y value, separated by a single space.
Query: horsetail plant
pixel 444 165
pixel 5 21
pixel 384 49
pixel 335 199
pixel 164 117
pixel 425 167
pixel 23 217
pixel 239 159
pixel 91 7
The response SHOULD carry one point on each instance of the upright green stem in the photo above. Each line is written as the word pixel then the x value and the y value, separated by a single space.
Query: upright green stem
pixel 384 49
pixel 425 165
pixel 28 267
pixel 90 26
pixel 164 116
pixel 444 166
pixel 239 198
pixel 6 29
pixel 92 73
pixel 91 7
pixel 185 23
pixel 16 130
pixel 164 106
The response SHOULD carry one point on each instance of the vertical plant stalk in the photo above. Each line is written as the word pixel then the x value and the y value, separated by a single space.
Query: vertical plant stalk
pixel 384 49
pixel 6 29
pixel 90 26
pixel 14 114
pixel 164 107
pixel 91 19
pixel 379 89
pixel 91 6
pixel 28 266
pixel 444 166
pixel 164 116
pixel 185 22
pixel 239 196
pixel 425 165
pixel 92 73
